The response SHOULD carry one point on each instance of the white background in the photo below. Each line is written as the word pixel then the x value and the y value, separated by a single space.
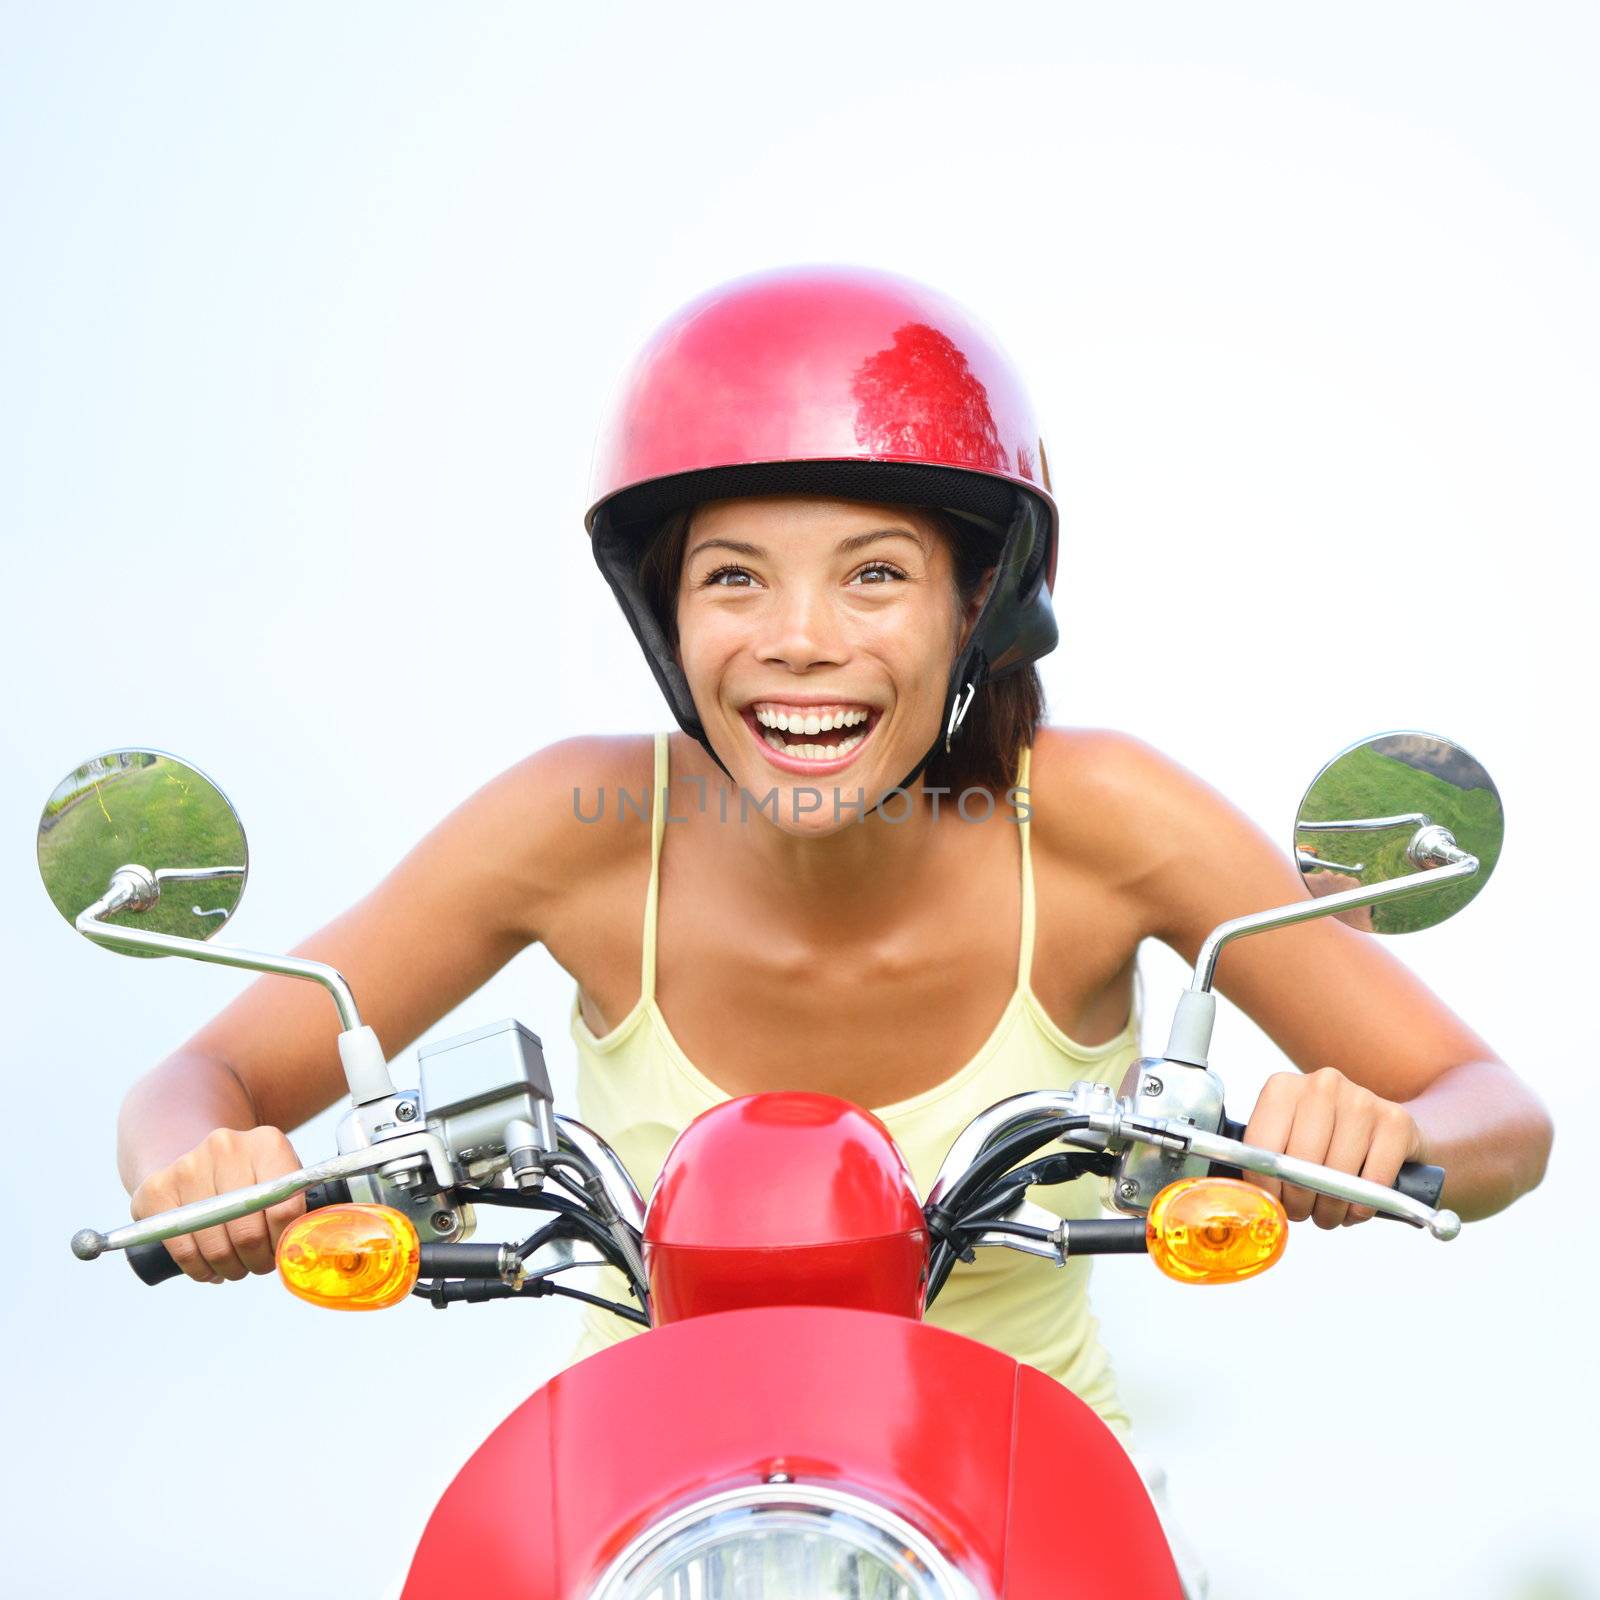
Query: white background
pixel 306 317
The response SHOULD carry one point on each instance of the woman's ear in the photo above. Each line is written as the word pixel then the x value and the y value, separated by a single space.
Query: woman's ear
pixel 969 612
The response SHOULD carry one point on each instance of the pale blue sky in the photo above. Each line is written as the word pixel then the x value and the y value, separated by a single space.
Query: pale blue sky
pixel 306 317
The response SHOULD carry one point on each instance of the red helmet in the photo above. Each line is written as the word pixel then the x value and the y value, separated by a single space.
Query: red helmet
pixel 834 381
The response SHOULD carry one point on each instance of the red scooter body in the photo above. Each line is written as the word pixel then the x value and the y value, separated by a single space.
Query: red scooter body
pixel 786 1250
pixel 1023 1487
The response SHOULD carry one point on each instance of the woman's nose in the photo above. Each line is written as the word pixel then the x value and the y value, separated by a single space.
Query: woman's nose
pixel 802 630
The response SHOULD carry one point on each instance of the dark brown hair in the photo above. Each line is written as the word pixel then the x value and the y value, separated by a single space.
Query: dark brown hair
pixel 1005 713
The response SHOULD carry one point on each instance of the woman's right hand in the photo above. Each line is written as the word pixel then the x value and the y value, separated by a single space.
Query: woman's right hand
pixel 225 1159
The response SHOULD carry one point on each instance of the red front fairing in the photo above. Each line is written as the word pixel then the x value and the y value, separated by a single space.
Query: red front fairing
pixel 1018 1481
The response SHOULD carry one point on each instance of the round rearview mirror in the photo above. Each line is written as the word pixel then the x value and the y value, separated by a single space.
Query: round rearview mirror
pixel 1391 806
pixel 161 829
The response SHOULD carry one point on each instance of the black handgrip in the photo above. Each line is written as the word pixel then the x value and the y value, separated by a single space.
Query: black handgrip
pixel 1416 1180
pixel 153 1263
pixel 1419 1181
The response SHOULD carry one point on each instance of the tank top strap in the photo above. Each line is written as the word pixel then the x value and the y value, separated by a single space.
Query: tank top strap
pixel 658 823
pixel 1025 807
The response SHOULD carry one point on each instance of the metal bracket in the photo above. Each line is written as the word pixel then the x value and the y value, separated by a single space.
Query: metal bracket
pixel 1033 1216
pixel 1154 1091
pixel 958 715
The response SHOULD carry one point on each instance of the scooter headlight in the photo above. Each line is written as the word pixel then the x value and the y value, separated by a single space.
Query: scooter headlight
pixel 783 1542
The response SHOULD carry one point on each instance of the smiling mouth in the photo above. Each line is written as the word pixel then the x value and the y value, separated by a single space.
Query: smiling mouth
pixel 823 734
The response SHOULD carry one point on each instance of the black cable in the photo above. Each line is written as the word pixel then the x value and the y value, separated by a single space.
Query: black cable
pixel 524 1199
pixel 944 1219
pixel 997 1161
pixel 445 1293
pixel 543 1236
pixel 584 1226
pixel 579 1226
pixel 1062 1167
pixel 555 1175
pixel 578 1215
pixel 1049 1170
pixel 627 1313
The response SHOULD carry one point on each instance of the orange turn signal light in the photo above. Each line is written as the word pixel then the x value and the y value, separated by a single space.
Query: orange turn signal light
pixel 1215 1230
pixel 350 1257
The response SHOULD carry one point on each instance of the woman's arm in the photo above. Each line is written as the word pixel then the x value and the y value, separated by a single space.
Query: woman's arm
pixel 1391 1075
pixel 474 892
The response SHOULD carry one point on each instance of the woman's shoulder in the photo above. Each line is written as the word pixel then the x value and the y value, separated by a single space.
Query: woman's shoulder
pixel 1114 803
pixel 560 818
pixel 1140 821
pixel 1090 784
pixel 584 762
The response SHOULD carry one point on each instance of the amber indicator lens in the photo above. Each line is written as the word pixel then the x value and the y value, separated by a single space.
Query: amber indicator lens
pixel 350 1258
pixel 1215 1230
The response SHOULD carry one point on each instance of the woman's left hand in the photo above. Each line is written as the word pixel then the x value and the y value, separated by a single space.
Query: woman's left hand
pixel 1324 1117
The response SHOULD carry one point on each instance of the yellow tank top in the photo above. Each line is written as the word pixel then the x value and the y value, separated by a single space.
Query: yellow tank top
pixel 638 1090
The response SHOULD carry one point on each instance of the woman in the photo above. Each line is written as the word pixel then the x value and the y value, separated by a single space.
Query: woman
pixel 866 869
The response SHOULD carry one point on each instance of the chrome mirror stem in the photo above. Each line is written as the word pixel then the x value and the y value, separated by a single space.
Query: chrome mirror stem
pixel 102 933
pixel 1190 1040
pixel 366 1070
pixel 1308 910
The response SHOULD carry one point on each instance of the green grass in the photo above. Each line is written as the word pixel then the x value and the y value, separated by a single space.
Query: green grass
pixel 1368 783
pixel 161 814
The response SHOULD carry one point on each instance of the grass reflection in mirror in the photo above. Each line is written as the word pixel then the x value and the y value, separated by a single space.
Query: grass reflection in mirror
pixel 1388 776
pixel 145 808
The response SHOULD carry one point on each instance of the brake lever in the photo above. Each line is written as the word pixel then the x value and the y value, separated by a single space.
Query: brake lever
pixel 87 1243
pixel 1441 1223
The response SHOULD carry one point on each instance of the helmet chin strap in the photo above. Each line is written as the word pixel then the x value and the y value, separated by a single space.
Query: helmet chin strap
pixel 969 674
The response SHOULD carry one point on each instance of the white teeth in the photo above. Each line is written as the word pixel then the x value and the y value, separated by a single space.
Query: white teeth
pixel 814 752
pixel 810 722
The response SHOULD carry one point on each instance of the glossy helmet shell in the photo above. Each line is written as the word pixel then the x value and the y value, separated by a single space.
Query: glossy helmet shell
pixel 834 381
pixel 785 1199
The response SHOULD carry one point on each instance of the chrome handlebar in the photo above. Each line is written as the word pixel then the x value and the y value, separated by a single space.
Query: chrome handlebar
pixel 1104 1122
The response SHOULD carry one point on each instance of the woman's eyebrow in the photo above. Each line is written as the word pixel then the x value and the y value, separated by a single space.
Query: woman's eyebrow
pixel 856 540
pixel 846 546
pixel 738 546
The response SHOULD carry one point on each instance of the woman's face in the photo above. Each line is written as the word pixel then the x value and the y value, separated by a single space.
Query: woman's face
pixel 817 638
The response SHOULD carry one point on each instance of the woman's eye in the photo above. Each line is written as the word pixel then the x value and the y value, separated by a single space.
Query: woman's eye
pixel 878 572
pixel 728 578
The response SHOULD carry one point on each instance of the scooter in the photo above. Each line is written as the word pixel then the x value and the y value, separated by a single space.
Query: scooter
pixel 790 1428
